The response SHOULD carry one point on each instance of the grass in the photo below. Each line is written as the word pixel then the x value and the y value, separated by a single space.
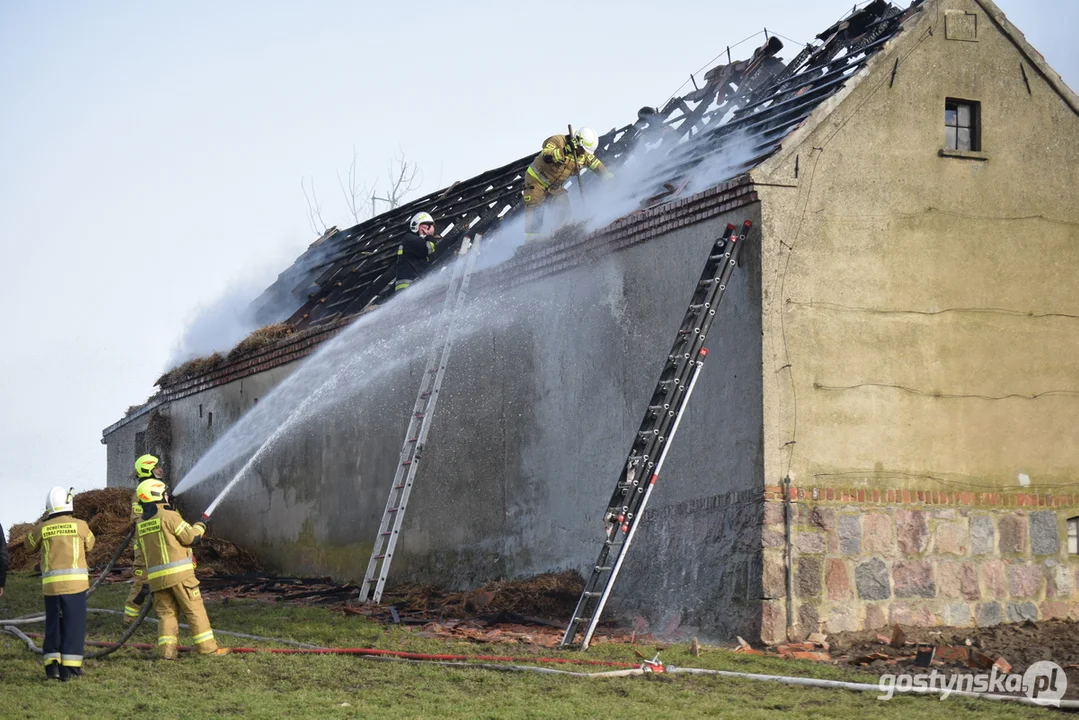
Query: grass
pixel 132 683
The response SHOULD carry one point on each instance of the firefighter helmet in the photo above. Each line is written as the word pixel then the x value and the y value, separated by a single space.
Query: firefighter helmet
pixel 60 500
pixel 152 491
pixel 420 218
pixel 586 137
pixel 144 466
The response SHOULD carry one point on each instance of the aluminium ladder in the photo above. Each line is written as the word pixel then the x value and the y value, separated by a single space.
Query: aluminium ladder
pixel 680 372
pixel 416 435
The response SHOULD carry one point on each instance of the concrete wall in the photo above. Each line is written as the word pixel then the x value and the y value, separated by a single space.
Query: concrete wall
pixel 150 432
pixel 921 317
pixel 546 386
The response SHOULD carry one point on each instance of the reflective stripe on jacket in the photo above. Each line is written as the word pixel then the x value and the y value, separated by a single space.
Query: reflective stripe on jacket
pixel 62 542
pixel 136 515
pixel 165 541
pixel 563 164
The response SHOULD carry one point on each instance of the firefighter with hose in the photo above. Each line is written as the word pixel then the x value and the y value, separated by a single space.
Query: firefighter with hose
pixel 146 467
pixel 562 157
pixel 165 540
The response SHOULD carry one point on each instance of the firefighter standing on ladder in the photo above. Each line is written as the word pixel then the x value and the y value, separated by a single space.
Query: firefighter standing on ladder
pixel 414 252
pixel 562 156
pixel 165 541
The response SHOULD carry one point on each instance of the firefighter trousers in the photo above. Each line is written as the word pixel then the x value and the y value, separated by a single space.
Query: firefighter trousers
pixel 184 597
pixel 535 197
pixel 65 629
pixel 136 596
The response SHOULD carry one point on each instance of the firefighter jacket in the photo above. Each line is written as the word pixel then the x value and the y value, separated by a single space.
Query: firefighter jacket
pixel 413 255
pixel 165 540
pixel 63 542
pixel 136 515
pixel 558 162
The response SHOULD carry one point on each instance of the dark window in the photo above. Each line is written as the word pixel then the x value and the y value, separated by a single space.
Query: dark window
pixel 961 125
pixel 209 419
pixel 200 410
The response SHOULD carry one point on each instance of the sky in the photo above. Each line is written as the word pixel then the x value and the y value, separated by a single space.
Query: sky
pixel 151 156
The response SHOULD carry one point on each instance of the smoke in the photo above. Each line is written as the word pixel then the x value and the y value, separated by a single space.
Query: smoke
pixel 250 302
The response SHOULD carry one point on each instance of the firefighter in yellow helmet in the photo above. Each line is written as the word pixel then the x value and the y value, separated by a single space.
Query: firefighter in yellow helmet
pixel 165 541
pixel 562 157
pixel 147 466
pixel 63 542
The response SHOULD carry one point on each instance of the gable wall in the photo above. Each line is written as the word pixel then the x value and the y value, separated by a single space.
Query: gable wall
pixel 922 335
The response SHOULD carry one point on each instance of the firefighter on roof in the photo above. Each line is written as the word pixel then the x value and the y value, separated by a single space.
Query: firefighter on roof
pixel 562 157
pixel 414 252
pixel 146 467
pixel 165 541
pixel 63 542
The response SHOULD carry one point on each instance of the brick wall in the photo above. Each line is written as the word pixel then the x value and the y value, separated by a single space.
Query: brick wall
pixel 865 559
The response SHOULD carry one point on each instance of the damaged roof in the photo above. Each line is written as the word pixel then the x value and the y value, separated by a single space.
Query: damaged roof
pixel 753 104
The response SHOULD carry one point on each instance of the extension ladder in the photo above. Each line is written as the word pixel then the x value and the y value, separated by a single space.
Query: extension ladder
pixel 657 430
pixel 418 426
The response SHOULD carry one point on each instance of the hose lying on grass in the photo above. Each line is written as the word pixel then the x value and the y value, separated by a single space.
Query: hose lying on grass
pixel 9 627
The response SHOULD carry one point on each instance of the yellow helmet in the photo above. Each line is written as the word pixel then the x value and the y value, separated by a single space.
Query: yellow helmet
pixel 144 466
pixel 152 491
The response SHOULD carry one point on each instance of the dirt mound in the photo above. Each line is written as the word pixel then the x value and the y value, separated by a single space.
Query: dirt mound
pixel 551 595
pixel 108 513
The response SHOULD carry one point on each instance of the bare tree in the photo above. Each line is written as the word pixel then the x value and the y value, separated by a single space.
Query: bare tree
pixel 404 177
pixel 356 195
pixel 314 208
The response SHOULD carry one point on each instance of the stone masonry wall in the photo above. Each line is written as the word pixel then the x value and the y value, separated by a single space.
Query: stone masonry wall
pixel 866 559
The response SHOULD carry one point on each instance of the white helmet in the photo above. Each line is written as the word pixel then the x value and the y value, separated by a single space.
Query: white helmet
pixel 60 500
pixel 418 219
pixel 586 137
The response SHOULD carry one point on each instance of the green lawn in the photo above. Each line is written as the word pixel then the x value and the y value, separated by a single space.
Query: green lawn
pixel 132 683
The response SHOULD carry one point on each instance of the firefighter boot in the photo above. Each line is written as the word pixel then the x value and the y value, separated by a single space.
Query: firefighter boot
pixel 69 673
pixel 52 671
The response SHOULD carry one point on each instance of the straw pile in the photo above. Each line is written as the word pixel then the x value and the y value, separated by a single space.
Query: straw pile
pixel 551 595
pixel 262 337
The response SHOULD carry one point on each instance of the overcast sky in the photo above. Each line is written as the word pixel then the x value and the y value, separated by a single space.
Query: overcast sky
pixel 151 156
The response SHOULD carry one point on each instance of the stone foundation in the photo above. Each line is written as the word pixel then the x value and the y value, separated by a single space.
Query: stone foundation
pixel 864 559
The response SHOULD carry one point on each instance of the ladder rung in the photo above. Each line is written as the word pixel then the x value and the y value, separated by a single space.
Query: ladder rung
pixel 705 283
pixel 418 415
pixel 602 568
pixel 415 439
pixel 388 532
pixel 406 462
pixel 379 557
pixel 398 487
pixel 393 509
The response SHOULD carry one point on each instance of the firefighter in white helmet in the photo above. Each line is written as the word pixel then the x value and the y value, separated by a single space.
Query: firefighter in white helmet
pixel 415 250
pixel 165 540
pixel 562 157
pixel 63 542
